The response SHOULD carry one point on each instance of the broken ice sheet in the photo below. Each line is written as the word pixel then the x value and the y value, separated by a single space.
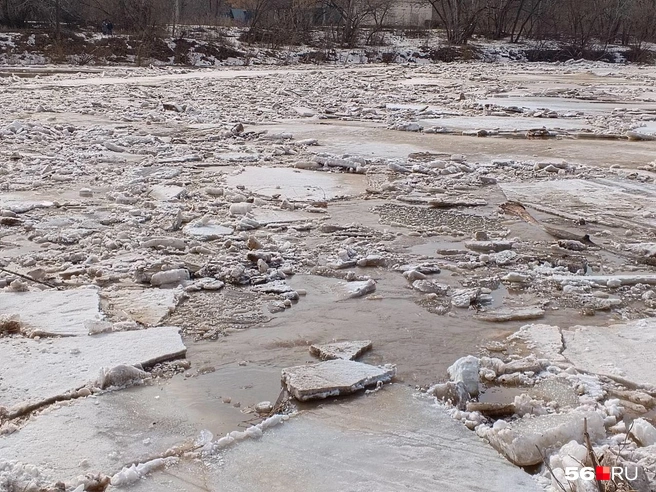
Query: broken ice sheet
pixel 624 351
pixel 521 440
pixel 146 306
pixel 99 434
pixel 333 378
pixel 52 312
pixel 341 350
pixel 35 370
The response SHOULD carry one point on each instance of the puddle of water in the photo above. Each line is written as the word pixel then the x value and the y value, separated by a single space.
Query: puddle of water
pixel 500 394
pixel 498 296
pixel 298 184
pixel 209 399
pixel 422 345
pixel 431 248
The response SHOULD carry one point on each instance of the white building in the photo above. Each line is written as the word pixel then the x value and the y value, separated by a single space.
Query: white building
pixel 410 13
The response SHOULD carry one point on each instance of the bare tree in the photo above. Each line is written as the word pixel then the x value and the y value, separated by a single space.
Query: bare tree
pixel 379 13
pixel 15 13
pixel 526 14
pixel 459 18
pixel 354 14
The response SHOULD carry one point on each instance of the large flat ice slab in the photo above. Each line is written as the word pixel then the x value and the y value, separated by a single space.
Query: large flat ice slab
pixel 100 434
pixel 615 202
pixel 146 306
pixel 626 350
pixel 35 370
pixel 332 378
pixel 546 341
pixel 207 232
pixel 385 442
pixel 341 350
pixel 52 312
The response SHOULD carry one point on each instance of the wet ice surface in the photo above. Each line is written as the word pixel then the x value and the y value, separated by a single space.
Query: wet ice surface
pixel 260 212
pixel 611 202
pixel 118 428
pixel 390 441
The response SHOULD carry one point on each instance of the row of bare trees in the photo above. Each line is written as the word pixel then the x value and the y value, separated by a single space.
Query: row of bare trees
pixel 576 22
pixel 130 14
pixel 579 22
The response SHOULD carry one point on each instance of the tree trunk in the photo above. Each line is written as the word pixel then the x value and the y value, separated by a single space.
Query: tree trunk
pixel 57 20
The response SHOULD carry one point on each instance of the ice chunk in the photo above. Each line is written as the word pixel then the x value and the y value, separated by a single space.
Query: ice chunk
pixel 511 314
pixel 129 475
pixel 165 242
pixel 169 277
pixel 121 375
pixel 525 441
pixel 166 193
pixel 240 208
pixel 429 286
pixel 463 298
pixel 332 378
pixel 488 246
pixel 341 350
pixel 644 432
pixel 355 289
pixel 465 370
pixel 207 232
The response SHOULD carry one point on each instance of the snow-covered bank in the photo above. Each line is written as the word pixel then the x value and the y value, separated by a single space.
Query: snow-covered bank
pixel 224 47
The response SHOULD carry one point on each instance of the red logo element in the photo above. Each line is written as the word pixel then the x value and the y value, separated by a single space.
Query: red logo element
pixel 602 472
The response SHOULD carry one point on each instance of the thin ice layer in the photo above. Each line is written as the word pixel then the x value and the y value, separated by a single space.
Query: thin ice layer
pixel 384 442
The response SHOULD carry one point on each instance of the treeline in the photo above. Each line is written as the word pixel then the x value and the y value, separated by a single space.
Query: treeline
pixel 577 23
